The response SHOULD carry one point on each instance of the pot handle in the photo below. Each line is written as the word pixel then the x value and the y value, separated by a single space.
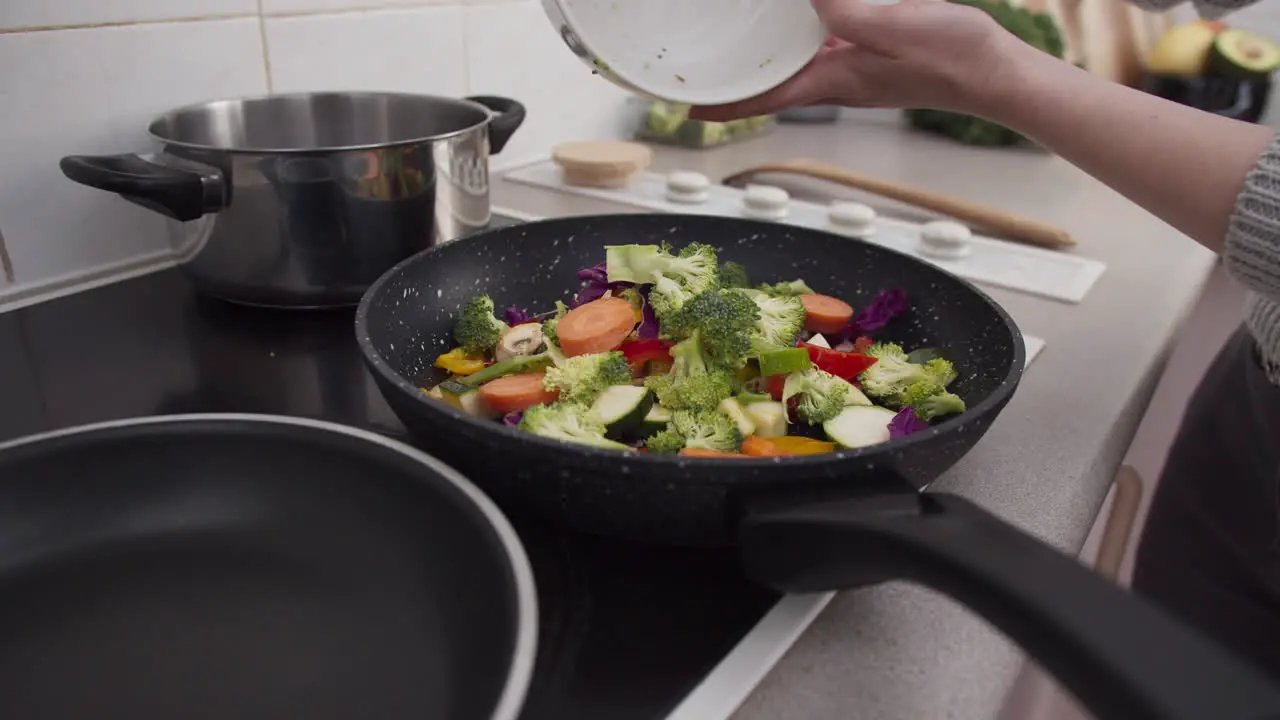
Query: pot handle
pixel 1121 656
pixel 178 192
pixel 508 117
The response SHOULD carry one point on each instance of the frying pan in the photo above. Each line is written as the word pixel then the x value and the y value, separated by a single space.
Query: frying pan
pixel 813 523
pixel 208 567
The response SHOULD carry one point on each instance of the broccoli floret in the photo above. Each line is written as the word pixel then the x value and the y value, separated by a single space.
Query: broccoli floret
pixel 631 295
pixel 712 330
pixel 787 289
pixel 721 321
pixel 707 430
pixel 567 422
pixel 476 329
pixel 581 379
pixel 733 275
pixel 675 278
pixel 893 375
pixel 941 370
pixel 821 395
pixel 780 323
pixel 666 442
pixel 691 383
pixel 549 327
pixel 931 400
pixel 697 392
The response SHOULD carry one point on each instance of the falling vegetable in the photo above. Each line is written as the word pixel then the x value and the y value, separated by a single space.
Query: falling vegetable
pixel 516 393
pixel 517 316
pixel 825 314
pixel 886 306
pixel 906 423
pixel 672 353
pixel 598 326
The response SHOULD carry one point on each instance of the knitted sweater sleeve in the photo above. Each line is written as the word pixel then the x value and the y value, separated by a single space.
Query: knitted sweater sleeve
pixel 1252 251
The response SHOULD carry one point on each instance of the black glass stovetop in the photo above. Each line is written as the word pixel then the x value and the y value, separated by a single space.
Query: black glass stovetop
pixel 626 631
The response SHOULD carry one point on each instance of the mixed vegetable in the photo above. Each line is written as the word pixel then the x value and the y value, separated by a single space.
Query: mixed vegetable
pixel 677 353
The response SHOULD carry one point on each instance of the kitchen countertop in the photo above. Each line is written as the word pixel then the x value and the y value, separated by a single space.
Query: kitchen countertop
pixel 902 652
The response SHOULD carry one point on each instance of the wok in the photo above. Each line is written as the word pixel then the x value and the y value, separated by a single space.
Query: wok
pixel 208 567
pixel 815 523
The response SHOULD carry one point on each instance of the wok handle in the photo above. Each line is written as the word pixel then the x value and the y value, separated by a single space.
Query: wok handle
pixel 1122 657
pixel 507 119
pixel 178 192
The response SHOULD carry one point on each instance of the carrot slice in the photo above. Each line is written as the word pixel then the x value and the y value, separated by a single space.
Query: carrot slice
pixel 825 314
pixel 756 446
pixel 596 327
pixel 517 393
pixel 699 452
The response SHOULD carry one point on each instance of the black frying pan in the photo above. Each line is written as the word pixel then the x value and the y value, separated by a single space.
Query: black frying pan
pixel 254 568
pixel 803 524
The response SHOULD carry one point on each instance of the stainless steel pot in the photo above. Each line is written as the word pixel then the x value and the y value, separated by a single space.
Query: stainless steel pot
pixel 303 200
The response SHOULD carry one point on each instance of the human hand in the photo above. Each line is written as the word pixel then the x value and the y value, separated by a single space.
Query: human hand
pixel 916 53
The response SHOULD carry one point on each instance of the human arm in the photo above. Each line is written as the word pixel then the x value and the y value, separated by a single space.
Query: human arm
pixel 1183 165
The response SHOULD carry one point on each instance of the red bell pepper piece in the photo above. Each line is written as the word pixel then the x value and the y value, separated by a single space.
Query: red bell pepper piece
pixel 861 344
pixel 847 366
pixel 775 384
pixel 642 352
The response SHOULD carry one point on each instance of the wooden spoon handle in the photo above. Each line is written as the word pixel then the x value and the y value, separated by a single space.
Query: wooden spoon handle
pixel 1012 226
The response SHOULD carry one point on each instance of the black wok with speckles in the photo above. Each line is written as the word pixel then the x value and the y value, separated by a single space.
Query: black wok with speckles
pixel 803 524
pixel 406 320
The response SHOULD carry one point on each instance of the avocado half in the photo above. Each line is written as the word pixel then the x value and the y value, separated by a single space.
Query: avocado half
pixel 1242 55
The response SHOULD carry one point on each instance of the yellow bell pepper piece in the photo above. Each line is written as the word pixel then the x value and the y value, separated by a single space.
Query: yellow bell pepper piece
pixel 800 445
pixel 458 362
pixel 639 312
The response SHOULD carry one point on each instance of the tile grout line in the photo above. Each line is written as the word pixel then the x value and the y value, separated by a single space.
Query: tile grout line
pixel 123 23
pixel 266 51
pixel 261 14
pixel 466 53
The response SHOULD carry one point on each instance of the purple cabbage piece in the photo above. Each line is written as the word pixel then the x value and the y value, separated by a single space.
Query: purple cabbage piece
pixel 512 419
pixel 906 423
pixel 517 316
pixel 887 305
pixel 648 329
pixel 595 284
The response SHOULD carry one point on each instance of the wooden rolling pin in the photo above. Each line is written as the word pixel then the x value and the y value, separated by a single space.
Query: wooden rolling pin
pixel 1006 224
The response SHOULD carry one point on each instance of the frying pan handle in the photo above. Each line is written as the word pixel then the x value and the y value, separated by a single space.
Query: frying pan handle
pixel 1121 656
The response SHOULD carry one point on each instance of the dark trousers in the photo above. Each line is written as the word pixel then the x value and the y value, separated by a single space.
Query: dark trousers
pixel 1210 552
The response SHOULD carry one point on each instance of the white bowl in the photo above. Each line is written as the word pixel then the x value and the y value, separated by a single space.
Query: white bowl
pixel 697 52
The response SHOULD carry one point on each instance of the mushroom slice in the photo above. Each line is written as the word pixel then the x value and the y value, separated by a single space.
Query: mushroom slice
pixel 520 340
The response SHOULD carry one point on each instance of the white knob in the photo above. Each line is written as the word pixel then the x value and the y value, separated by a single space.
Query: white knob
pixel 765 202
pixel 686 186
pixel 852 219
pixel 946 240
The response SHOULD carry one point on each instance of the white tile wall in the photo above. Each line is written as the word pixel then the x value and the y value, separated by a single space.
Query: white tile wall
pixel 93 91
pixel 93 72
pixel 291 7
pixel 510 52
pixel 72 13
pixel 410 50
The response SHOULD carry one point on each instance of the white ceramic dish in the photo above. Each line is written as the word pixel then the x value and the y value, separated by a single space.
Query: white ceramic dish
pixel 698 52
